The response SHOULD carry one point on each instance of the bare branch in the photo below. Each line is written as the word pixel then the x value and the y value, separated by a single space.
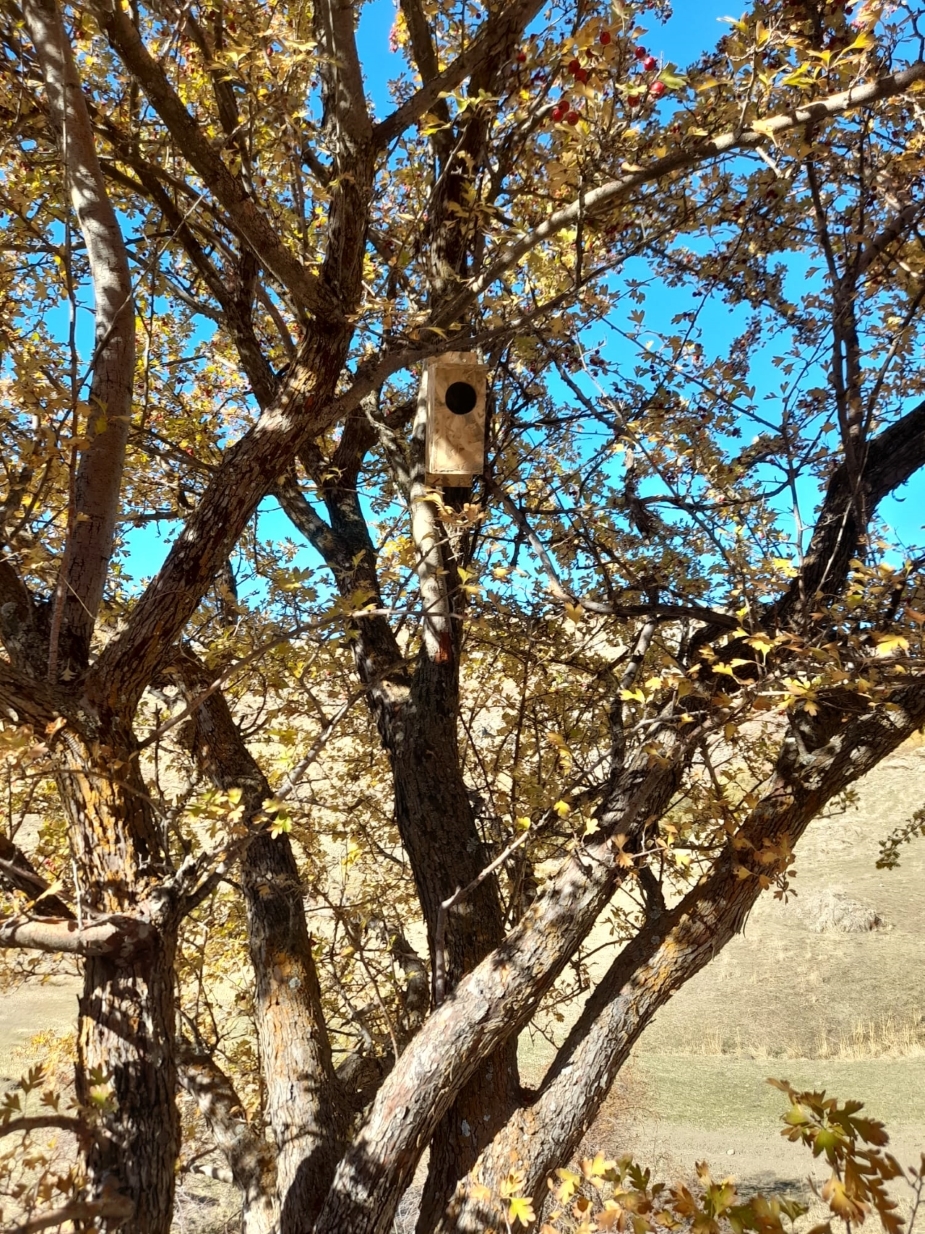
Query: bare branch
pixel 117 936
pixel 43 1122
pixel 116 1208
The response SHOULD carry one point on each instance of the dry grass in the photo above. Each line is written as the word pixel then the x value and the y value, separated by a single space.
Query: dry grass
pixel 890 1035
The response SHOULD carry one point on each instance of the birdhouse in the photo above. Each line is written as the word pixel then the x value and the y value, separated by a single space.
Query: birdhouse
pixel 453 388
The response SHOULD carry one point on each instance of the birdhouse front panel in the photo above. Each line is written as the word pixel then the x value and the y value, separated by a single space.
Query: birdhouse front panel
pixel 454 389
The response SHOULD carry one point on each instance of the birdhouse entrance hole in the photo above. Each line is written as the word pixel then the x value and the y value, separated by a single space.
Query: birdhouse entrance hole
pixel 461 398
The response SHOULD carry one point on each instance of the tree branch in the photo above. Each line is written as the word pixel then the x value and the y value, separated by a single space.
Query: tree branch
pixel 494 1000
pixel 249 1156
pixel 304 1103
pixel 116 1208
pixel 27 701
pixel 117 935
pixel 665 612
pixel 307 289
pixel 508 20
pixel 674 946
pixel 42 1122
pixel 892 457
pixel 598 201
pixel 92 520
pixel 18 872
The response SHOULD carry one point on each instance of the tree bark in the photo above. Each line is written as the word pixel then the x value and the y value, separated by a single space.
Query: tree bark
pixel 304 1103
pixel 92 518
pixel 126 1058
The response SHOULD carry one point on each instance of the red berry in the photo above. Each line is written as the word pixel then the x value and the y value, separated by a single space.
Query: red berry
pixel 521 57
pixel 574 65
pixel 657 89
pixel 582 75
pixel 632 100
pixel 558 113
pixel 605 37
pixel 640 53
pixel 649 63
pixel 572 118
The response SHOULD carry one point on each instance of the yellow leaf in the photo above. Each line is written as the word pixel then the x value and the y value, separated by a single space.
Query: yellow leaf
pixel 574 612
pixel 569 1182
pixel 562 808
pixel 597 1166
pixel 862 42
pixel 521 1209
pixel 892 642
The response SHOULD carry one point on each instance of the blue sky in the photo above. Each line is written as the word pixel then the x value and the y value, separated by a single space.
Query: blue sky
pixel 694 28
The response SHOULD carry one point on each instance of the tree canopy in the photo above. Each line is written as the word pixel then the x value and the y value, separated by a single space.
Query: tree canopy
pixel 328 806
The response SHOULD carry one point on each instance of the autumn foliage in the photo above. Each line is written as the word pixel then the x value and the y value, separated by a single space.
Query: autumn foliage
pixel 323 775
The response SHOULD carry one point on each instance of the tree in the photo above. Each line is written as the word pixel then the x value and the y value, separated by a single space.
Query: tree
pixel 612 663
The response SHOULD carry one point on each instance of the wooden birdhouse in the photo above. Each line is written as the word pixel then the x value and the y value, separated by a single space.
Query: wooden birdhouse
pixel 453 389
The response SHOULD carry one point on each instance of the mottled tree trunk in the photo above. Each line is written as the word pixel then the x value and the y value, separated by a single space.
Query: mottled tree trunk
pixel 126 1059
pixel 126 1072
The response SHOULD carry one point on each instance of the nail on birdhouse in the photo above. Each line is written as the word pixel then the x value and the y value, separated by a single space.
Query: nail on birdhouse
pixel 453 388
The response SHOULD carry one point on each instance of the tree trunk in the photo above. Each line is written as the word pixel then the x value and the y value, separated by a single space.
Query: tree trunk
pixel 126 1072
pixel 304 1102
pixel 668 952
pixel 417 719
pixel 126 1060
pixel 435 820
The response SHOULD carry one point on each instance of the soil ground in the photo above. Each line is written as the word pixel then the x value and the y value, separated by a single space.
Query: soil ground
pixel 835 1009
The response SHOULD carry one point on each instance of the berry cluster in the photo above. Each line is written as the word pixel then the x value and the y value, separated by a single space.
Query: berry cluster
pixel 566 112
